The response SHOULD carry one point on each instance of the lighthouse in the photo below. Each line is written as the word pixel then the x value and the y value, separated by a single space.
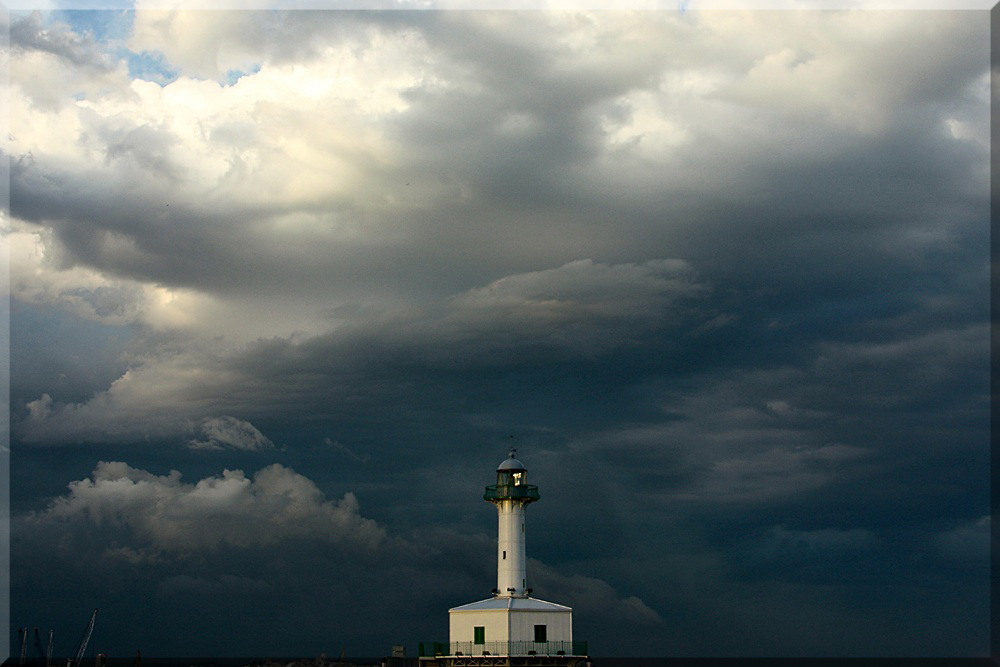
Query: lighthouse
pixel 510 628
pixel 511 494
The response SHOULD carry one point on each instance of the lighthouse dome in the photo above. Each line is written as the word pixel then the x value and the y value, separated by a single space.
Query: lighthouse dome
pixel 511 464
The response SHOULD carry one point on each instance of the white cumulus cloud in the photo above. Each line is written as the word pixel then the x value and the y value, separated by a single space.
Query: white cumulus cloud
pixel 171 517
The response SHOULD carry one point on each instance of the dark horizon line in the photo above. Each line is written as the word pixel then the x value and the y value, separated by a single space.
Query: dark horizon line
pixel 598 661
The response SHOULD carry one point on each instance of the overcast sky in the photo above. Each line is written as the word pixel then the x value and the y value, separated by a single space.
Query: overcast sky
pixel 286 285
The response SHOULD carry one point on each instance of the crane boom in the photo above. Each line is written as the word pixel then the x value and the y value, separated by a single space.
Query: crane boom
pixel 75 661
pixel 39 656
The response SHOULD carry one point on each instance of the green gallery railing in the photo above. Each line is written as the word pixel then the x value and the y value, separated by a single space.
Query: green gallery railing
pixel 430 649
pixel 511 491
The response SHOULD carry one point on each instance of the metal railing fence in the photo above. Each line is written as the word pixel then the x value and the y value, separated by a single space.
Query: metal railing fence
pixel 429 649
pixel 515 491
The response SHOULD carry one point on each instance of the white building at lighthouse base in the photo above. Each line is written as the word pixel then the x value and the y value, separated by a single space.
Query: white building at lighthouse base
pixel 515 625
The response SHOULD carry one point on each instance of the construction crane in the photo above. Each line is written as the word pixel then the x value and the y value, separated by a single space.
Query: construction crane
pixel 39 656
pixel 84 640
pixel 23 632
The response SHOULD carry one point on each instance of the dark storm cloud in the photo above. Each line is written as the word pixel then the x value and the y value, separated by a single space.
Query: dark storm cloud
pixel 820 215
pixel 461 135
pixel 49 342
pixel 579 311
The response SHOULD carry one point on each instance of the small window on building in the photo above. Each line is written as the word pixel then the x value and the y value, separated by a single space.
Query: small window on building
pixel 540 633
pixel 479 634
pixel 505 555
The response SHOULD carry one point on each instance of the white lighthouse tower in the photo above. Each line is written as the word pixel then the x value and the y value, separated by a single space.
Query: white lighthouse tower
pixel 510 629
pixel 511 494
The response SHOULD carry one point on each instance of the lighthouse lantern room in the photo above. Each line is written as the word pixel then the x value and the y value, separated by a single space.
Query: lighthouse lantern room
pixel 511 628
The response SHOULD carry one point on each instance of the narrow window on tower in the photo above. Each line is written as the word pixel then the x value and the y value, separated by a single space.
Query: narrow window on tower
pixel 479 634
pixel 522 527
pixel 505 555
